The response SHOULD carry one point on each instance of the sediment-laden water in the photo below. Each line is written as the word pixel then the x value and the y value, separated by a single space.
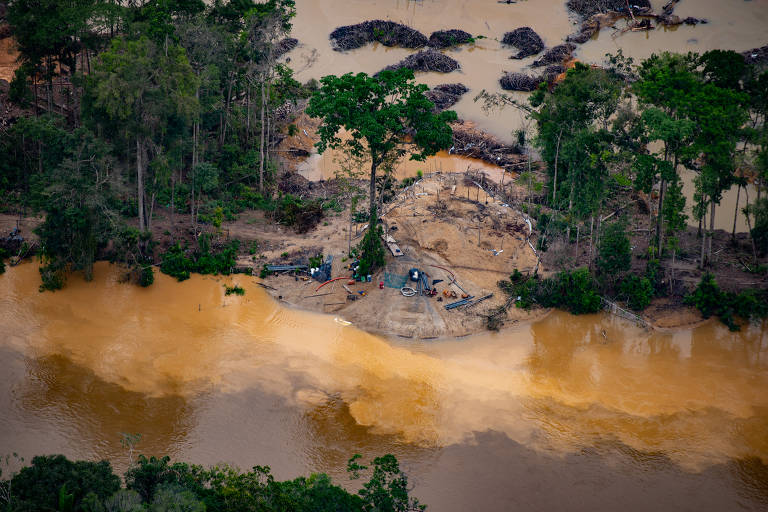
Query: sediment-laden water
pixel 569 412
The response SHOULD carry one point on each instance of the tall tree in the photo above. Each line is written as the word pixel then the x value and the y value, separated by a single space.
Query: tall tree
pixel 667 88
pixel 48 34
pixel 142 86
pixel 583 102
pixel 384 116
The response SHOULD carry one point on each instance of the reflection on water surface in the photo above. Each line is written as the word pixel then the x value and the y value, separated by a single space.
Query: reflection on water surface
pixel 212 378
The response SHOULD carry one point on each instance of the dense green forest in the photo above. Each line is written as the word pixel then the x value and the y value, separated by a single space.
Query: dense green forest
pixel 138 105
pixel 156 484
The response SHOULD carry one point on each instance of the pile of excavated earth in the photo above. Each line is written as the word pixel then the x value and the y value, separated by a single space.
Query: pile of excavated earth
pixel 445 226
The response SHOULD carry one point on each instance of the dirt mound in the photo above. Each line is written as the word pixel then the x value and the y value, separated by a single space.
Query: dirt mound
pixel 285 45
pixel 448 38
pixel 587 8
pixel 387 33
pixel 555 55
pixel 427 60
pixel 520 82
pixel 446 95
pixel 468 141
pixel 524 39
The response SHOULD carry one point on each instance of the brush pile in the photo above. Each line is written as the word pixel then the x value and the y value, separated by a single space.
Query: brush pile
pixel 285 45
pixel 448 38
pixel 758 56
pixel 388 33
pixel 552 72
pixel 470 142
pixel 587 29
pixel 520 82
pixel 446 95
pixel 555 55
pixel 524 39
pixel 427 60
pixel 587 8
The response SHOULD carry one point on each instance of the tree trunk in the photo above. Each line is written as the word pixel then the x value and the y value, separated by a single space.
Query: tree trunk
pixel 173 206
pixel 557 156
pixel 372 192
pixel 662 185
pixel 578 226
pixel 591 236
pixel 711 231
pixel 195 128
pixel 672 273
pixel 702 222
pixel 261 141
pixel 570 208
pixel 37 95
pixel 749 225
pixel 140 185
pixel 736 213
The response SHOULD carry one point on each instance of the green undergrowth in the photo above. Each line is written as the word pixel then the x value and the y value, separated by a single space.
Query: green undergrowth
pixel 180 262
pixel 710 300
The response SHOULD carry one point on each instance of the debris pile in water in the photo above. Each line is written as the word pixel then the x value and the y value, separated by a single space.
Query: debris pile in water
pixel 555 55
pixel 757 56
pixel 448 38
pixel 427 60
pixel 587 8
pixel 470 142
pixel 285 45
pixel 524 39
pixel 446 95
pixel 387 33
pixel 552 72
pixel 520 82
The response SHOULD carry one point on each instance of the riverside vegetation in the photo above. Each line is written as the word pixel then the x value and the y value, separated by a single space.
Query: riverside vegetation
pixel 178 105
pixel 159 485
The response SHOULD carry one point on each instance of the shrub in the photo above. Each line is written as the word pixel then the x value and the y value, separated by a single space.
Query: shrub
pixel 234 290
pixel 614 253
pixel 637 291
pixel 710 300
pixel 178 264
pixel 371 250
pixel 53 276
pixel 573 291
pixel 760 230
pixel 146 275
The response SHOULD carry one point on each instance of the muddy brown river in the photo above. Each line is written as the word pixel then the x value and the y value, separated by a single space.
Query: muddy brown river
pixel 569 413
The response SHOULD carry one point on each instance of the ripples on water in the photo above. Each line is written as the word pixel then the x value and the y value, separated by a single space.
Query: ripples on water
pixel 213 378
